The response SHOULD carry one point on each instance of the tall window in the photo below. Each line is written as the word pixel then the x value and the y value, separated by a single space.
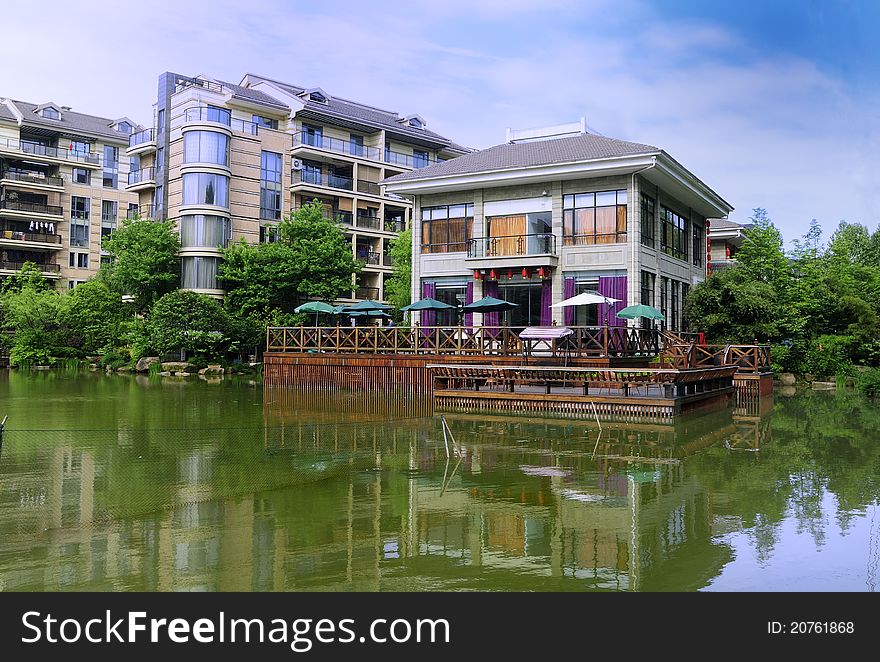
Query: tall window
pixel 594 218
pixel 133 210
pixel 79 147
pixel 685 291
pixel 204 231
pixel 674 304
pixel 160 120
pixel 699 243
pixel 420 158
pixel 266 122
pixel 664 297
pixel 270 186
pixel 80 209
pixel 648 221
pixel 446 229
pixel 111 166
pixel 673 239
pixel 199 273
pixel 82 176
pixel 201 188
pixel 648 281
pixel 356 145
pixel 312 135
pixel 206 147
pixel 108 217
pixel 311 172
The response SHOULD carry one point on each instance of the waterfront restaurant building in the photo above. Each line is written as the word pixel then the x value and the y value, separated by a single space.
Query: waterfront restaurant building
pixel 555 212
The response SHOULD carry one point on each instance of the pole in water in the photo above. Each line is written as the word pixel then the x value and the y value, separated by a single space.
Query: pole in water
pixel 2 427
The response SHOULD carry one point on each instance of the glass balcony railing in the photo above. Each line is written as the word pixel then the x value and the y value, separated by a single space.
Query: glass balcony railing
pixel 369 222
pixel 204 114
pixel 33 178
pixel 366 293
pixel 336 145
pixel 319 178
pixel 31 207
pixel 141 137
pixel 37 149
pixel 244 126
pixel 372 188
pixel 343 217
pixel 407 160
pixel 519 244
pixel 142 175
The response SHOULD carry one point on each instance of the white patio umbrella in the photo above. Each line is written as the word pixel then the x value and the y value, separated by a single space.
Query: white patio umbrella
pixel 585 299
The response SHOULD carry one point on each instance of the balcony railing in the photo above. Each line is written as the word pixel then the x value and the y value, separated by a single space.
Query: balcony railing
pixel 141 137
pixel 31 207
pixel 244 126
pixel 368 257
pixel 518 244
pixel 142 175
pixel 144 211
pixel 204 114
pixel 321 179
pixel 366 293
pixel 449 247
pixel 407 160
pixel 337 145
pixel 387 260
pixel 394 225
pixel 30 236
pixel 344 217
pixel 16 266
pixel 33 178
pixel 371 188
pixel 369 222
pixel 37 149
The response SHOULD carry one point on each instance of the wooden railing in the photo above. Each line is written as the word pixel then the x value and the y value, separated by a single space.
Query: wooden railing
pixel 747 358
pixel 462 341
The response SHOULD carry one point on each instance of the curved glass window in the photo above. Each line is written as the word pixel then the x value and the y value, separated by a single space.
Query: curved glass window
pixel 200 230
pixel 199 273
pixel 201 188
pixel 206 147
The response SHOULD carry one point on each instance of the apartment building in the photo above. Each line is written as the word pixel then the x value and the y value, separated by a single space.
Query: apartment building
pixel 62 188
pixel 228 161
pixel 725 238
pixel 554 212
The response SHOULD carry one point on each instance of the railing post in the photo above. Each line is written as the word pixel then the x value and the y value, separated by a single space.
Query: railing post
pixel 605 340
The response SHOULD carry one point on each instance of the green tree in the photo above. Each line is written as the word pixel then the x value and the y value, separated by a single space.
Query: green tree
pixel 28 276
pixel 33 315
pixel 189 321
pixel 761 254
pixel 146 264
pixel 398 288
pixel 94 318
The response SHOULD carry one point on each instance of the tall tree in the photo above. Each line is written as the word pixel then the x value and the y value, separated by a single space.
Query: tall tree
pixel 398 288
pixel 761 255
pixel 146 265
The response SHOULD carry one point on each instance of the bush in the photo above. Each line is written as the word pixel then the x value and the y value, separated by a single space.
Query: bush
pixel 192 322
pixel 828 356
pixel 868 382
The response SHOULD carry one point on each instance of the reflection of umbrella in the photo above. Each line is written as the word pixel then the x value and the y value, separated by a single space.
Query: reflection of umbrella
pixel 643 476
pixel 489 305
pixel 367 304
pixel 315 307
pixel 641 310
pixel 584 299
pixel 427 304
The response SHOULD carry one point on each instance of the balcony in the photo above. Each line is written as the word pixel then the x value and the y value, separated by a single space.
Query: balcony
pixel 48 154
pixel 521 250
pixel 337 216
pixel 302 142
pixel 17 208
pixel 141 179
pixel 142 142
pixel 318 178
pixel 366 293
pixel 369 222
pixel 370 188
pixel 210 115
pixel 407 160
pixel 387 260
pixel 32 179
pixel 50 270
pixel 394 225
pixel 15 239
pixel 144 211
pixel 368 256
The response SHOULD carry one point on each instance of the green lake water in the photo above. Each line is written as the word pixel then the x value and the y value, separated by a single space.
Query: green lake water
pixel 131 483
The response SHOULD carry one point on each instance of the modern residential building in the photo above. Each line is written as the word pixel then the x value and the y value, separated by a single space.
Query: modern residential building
pixel 725 238
pixel 62 188
pixel 228 161
pixel 554 212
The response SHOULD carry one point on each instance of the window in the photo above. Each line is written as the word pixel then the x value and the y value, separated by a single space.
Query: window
pixel 199 273
pixel 685 291
pixel 270 186
pixel 648 281
pixel 201 188
pixel 206 147
pixel 219 115
pixel 699 243
pixel 312 135
pixel 111 166
pixel 266 122
pixel 160 159
pixel 51 114
pixel 78 147
pixel 356 145
pixel 81 176
pixel 420 158
pixel 311 172
pixel 446 229
pixel 415 122
pixel 674 304
pixel 124 127
pixel 133 210
pixel 664 296
pixel 269 234
pixel 204 231
pixel 648 220
pixel 160 120
pixel 594 218
pixel 109 210
pixel 673 237
pixel 78 261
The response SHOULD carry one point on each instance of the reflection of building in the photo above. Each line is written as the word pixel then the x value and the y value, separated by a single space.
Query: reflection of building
pixel 725 238
pixel 555 212
pixel 229 161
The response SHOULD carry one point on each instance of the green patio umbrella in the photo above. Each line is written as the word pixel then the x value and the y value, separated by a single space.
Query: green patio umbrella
pixel 316 307
pixel 641 310
pixel 367 304
pixel 489 305
pixel 427 304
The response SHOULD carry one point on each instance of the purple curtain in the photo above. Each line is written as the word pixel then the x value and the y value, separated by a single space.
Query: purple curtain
pixel 491 290
pixel 615 288
pixel 568 290
pixel 469 298
pixel 546 300
pixel 428 292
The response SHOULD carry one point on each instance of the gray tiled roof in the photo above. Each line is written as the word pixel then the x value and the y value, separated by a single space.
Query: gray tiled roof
pixel 254 95
pixel 5 113
pixel 71 122
pixel 369 115
pixel 582 147
pixel 725 224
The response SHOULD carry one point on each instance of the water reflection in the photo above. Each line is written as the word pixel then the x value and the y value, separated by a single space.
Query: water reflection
pixel 311 492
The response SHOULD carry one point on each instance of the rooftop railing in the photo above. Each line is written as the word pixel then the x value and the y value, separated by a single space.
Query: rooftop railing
pixel 519 244
pixel 142 175
pixel 31 207
pixel 37 149
pixel 336 145
pixel 33 178
pixel 141 137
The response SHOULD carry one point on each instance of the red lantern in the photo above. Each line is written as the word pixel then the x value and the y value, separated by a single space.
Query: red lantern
pixel 477 275
pixel 525 272
pixel 541 272
pixel 509 274
pixel 493 275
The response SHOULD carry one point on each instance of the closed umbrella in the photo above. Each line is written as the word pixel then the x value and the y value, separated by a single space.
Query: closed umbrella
pixel 316 307
pixel 641 310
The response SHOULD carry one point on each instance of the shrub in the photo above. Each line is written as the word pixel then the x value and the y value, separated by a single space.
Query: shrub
pixel 828 356
pixel 868 382
pixel 192 322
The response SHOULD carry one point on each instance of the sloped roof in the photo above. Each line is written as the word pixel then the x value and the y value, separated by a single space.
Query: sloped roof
pixel 71 122
pixel 570 149
pixel 725 224
pixel 254 95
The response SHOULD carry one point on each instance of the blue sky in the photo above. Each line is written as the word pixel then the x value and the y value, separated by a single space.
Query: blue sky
pixel 774 104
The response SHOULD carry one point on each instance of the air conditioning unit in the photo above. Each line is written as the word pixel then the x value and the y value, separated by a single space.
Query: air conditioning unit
pixel 296 164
